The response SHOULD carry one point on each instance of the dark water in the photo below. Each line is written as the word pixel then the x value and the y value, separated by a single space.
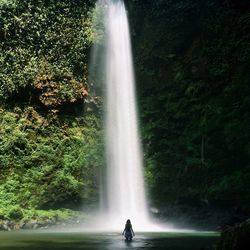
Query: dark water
pixel 104 241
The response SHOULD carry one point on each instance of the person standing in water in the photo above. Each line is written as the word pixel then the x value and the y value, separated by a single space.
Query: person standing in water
pixel 128 231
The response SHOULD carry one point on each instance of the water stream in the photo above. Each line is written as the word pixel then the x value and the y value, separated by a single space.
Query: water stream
pixel 125 180
pixel 124 196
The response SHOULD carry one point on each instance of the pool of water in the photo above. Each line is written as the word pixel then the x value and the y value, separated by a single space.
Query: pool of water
pixel 39 240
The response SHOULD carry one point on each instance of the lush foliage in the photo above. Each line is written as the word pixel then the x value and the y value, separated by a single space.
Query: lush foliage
pixel 44 50
pixel 192 61
pixel 49 154
pixel 47 162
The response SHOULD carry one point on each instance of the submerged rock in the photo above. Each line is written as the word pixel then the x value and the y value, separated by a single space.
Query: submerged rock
pixel 236 237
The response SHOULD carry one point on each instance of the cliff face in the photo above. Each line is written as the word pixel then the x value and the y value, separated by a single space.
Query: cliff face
pixel 235 238
pixel 191 61
pixel 44 52
pixel 50 146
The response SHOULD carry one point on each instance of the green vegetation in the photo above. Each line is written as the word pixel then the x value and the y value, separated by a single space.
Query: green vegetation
pixel 45 163
pixel 50 155
pixel 192 61
pixel 18 214
pixel 44 50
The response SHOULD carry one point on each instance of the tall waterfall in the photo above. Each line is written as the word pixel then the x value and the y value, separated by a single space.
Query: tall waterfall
pixel 125 180
pixel 112 64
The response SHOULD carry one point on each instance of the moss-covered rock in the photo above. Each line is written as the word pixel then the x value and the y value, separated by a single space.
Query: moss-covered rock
pixel 40 219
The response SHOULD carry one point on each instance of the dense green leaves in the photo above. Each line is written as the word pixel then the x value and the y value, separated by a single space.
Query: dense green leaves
pixel 46 159
pixel 39 40
pixel 194 94
pixel 43 164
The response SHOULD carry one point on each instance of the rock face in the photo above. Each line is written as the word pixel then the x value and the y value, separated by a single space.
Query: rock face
pixel 35 223
pixel 236 238
pixel 201 214
pixel 6 225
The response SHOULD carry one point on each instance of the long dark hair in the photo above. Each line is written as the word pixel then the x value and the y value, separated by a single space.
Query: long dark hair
pixel 128 222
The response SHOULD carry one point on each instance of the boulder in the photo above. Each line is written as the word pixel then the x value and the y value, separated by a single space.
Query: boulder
pixel 236 237
pixel 6 225
pixel 31 224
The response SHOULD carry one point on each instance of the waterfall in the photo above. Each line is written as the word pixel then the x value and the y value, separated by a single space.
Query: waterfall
pixel 125 195
pixel 125 180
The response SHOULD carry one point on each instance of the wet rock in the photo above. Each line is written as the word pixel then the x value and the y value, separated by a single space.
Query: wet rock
pixel 236 237
pixel 37 223
pixel 46 223
pixel 2 226
pixel 16 226
pixel 31 224
pixel 201 214
pixel 6 225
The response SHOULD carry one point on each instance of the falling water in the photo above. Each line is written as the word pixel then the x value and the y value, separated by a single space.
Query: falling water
pixel 125 192
pixel 125 185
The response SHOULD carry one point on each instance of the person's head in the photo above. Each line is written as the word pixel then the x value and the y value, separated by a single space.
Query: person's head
pixel 128 222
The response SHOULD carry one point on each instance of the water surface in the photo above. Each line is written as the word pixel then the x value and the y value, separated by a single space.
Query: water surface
pixel 39 240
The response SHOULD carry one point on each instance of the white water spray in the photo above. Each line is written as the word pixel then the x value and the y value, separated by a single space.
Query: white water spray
pixel 125 192
pixel 125 180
